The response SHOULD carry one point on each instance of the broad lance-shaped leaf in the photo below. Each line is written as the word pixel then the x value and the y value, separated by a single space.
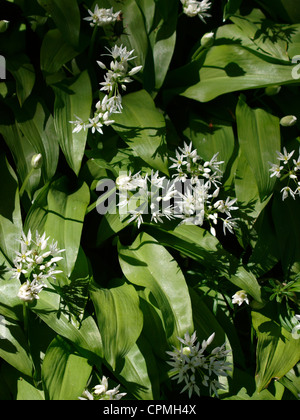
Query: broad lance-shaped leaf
pixel 84 334
pixel 119 318
pixel 65 215
pixel 64 372
pixel 72 98
pixel 66 15
pixel 200 245
pixel 10 211
pixel 13 346
pixel 139 372
pixel 259 138
pixel 277 351
pixel 224 69
pixel 143 128
pixel 37 125
pixel 148 264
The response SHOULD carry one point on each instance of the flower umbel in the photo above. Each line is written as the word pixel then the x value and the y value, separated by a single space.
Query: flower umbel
pixel 193 8
pixel 193 365
pixel 36 261
pixel 102 17
pixel 101 392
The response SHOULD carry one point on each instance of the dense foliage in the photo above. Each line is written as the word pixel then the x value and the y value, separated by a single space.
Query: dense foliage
pixel 150 197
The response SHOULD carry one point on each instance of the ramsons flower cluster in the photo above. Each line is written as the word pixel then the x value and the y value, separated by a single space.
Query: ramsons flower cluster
pixel 118 74
pixel 102 17
pixel 193 8
pixel 101 392
pixel 190 196
pixel 193 365
pixel 289 169
pixel 36 261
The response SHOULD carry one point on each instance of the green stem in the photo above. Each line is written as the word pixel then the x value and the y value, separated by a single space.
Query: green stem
pixel 25 317
pixel 26 182
pixel 91 49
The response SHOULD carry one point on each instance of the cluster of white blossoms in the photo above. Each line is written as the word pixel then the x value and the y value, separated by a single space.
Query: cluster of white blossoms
pixel 101 392
pixel 102 17
pixel 36 261
pixel 153 192
pixel 118 75
pixel 193 8
pixel 240 297
pixel 195 366
pixel 287 168
pixel 190 196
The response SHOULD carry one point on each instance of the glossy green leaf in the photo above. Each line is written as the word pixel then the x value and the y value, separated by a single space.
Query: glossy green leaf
pixel 84 335
pixel 27 392
pixel 22 152
pixel 277 351
pixel 119 318
pixel 64 372
pixel 139 371
pixel 227 68
pixel 143 128
pixel 148 264
pixel 55 51
pixel 211 140
pixel 201 246
pixel 259 138
pixel 10 210
pixel 133 23
pixel 65 215
pixel 66 16
pixel 37 125
pixel 23 71
pixel 13 346
pixel 73 97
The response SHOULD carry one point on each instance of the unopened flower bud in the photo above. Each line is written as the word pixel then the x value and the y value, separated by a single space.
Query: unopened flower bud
pixel 288 121
pixel 272 90
pixel 3 25
pixel 37 161
pixel 208 40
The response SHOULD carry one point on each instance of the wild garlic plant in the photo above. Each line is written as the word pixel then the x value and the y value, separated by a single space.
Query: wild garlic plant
pixel 289 169
pixel 194 365
pixel 190 196
pixel 35 262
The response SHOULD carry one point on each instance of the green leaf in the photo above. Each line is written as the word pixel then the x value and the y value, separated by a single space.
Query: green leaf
pixel 259 138
pixel 226 68
pixel 143 128
pixel 84 334
pixel 10 211
pixel 277 351
pixel 37 125
pixel 65 215
pixel 201 246
pixel 27 392
pixel 55 52
pixel 24 74
pixel 134 25
pixel 22 152
pixel 66 16
pixel 148 264
pixel 13 346
pixel 64 372
pixel 209 141
pixel 73 97
pixel 119 318
pixel 139 371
